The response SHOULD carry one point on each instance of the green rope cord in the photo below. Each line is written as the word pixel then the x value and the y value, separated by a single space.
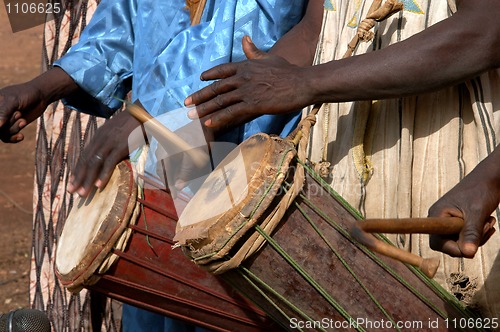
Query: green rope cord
pixel 438 289
pixel 141 189
pixel 306 276
pixel 374 257
pixel 136 155
pixel 251 278
pixel 346 265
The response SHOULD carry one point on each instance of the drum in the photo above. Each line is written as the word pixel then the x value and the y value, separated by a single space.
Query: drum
pixel 312 273
pixel 118 241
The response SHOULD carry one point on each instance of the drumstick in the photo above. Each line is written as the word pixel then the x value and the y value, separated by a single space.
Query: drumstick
pixel 431 225
pixel 361 230
pixel 165 135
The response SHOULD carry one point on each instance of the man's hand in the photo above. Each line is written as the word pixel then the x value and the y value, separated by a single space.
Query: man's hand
pixel 474 199
pixel 262 85
pixel 19 105
pixel 108 147
pixel 23 103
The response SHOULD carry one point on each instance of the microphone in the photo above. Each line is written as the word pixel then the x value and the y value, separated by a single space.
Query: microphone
pixel 24 320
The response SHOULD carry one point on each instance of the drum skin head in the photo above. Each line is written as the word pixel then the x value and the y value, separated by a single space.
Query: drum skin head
pixel 92 227
pixel 233 197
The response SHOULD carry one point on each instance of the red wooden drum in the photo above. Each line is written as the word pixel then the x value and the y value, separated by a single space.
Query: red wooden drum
pixel 124 250
pixel 313 275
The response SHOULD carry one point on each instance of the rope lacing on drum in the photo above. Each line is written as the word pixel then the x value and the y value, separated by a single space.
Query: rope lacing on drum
pixel 438 289
pixel 307 277
pixel 257 283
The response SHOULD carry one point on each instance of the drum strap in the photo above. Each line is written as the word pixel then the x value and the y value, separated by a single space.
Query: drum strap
pixel 377 12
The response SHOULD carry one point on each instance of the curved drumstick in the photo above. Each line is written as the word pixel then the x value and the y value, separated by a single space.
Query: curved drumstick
pixel 361 230
pixel 165 135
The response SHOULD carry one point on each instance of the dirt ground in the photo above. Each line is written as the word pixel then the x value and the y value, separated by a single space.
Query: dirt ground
pixel 20 59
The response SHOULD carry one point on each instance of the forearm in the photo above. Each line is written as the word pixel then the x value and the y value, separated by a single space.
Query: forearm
pixel 55 84
pixel 444 54
pixel 489 169
pixel 298 46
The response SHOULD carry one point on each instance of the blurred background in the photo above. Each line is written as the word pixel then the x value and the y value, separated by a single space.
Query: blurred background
pixel 20 61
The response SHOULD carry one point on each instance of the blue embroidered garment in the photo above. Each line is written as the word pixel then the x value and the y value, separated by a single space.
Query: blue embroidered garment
pixel 152 42
pixel 149 47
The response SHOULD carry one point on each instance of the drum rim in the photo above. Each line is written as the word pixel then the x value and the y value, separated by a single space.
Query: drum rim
pixel 266 181
pixel 84 273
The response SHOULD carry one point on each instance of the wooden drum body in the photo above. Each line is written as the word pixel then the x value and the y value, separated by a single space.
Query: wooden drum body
pixel 145 271
pixel 313 275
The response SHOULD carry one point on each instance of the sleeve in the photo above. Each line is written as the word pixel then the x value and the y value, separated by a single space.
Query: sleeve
pixel 101 62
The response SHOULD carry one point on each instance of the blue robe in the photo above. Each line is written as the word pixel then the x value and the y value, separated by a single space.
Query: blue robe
pixel 148 47
pixel 153 43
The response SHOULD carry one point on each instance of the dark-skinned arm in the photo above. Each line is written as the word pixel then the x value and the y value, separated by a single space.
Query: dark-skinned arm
pixel 298 46
pixel 442 55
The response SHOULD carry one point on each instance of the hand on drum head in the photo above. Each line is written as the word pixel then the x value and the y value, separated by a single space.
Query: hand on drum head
pixel 262 85
pixel 474 199
pixel 108 147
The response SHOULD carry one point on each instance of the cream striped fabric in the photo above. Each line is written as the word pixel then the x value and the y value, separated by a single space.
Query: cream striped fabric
pixel 395 158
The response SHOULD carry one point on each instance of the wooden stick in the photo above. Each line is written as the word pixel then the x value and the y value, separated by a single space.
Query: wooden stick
pixel 361 230
pixel 166 136
pixel 196 18
pixel 449 225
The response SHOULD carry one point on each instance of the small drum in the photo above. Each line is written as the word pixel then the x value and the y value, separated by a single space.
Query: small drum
pixel 313 275
pixel 123 249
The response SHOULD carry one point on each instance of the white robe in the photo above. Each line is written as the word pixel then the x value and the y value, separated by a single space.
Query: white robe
pixel 395 158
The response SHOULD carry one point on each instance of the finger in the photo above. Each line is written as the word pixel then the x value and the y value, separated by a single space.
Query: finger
pixel 75 180
pixel 16 138
pixel 470 237
pixel 446 245
pixel 17 126
pixel 208 95
pixel 251 51
pixel 79 172
pixel 94 167
pixel 107 170
pixel 85 174
pixel 16 116
pixel 220 71
pixel 11 134
pixel 220 98
pixel 488 230
pixel 228 117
